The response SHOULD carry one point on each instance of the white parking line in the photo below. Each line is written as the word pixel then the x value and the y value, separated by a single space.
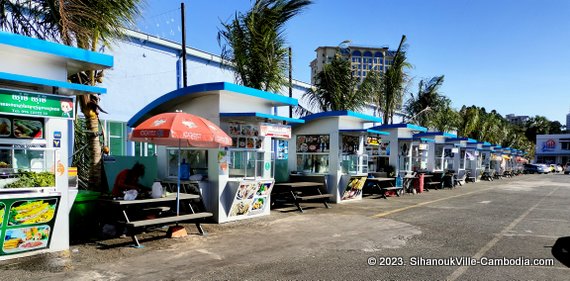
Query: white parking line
pixel 458 272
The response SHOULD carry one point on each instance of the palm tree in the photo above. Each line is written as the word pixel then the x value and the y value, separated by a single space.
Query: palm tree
pixel 394 82
pixel 425 106
pixel 86 24
pixel 255 43
pixel 469 120
pixel 336 89
pixel 446 118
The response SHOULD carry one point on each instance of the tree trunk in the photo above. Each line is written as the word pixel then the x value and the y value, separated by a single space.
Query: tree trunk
pixel 95 147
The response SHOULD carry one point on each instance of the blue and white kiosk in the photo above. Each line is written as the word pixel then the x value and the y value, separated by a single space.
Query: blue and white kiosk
pixel 37 104
pixel 441 153
pixel 406 154
pixel 235 183
pixel 332 144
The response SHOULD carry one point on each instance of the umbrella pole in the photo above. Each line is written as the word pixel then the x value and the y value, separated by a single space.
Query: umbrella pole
pixel 178 183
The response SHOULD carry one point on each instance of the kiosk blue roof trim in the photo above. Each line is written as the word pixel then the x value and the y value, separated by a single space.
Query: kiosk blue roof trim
pixel 99 60
pixel 469 140
pixel 417 139
pixel 366 131
pixel 401 125
pixel 274 99
pixel 262 115
pixel 45 85
pixel 429 134
pixel 340 113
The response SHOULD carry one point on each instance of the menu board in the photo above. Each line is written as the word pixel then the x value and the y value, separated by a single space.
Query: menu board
pixel 252 198
pixel 26 224
pixel 21 127
pixel 353 189
pixel 313 143
pixel 350 144
pixel 245 136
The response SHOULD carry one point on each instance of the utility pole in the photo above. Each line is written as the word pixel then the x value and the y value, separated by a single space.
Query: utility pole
pixel 290 82
pixel 184 69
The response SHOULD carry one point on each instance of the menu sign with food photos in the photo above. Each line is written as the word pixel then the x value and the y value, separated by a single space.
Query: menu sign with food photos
pixel 34 104
pixel 245 136
pixel 26 224
pixel 313 143
pixel 21 127
pixel 252 198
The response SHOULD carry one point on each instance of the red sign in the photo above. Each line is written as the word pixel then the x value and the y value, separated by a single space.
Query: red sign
pixel 275 131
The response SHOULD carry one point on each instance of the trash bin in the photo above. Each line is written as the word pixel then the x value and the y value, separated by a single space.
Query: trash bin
pixel 83 219
pixel 419 184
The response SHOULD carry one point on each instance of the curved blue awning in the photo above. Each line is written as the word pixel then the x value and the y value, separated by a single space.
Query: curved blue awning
pixel 173 98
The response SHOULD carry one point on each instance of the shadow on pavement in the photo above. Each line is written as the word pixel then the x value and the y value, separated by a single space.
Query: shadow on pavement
pixel 561 250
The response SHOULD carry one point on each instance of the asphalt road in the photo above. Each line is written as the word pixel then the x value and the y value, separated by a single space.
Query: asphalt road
pixel 526 217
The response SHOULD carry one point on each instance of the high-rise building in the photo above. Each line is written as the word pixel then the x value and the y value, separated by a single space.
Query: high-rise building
pixel 517 120
pixel 363 59
pixel 568 122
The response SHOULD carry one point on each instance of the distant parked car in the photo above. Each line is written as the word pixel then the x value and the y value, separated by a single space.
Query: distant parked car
pixel 535 169
pixel 567 170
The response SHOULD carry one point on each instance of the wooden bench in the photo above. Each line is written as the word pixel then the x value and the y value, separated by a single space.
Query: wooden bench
pixel 168 220
pixel 303 188
pixel 134 207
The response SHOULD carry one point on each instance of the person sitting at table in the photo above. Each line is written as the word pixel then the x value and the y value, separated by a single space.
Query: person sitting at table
pixel 128 179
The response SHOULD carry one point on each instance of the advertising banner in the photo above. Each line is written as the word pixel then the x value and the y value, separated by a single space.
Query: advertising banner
pixel 34 104
pixel 26 224
pixel 252 198
pixel 354 188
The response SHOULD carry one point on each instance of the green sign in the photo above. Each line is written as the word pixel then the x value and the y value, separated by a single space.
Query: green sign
pixel 26 224
pixel 33 104
pixel 267 166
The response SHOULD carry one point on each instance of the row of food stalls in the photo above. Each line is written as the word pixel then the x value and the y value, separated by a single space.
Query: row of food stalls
pixel 235 182
pixel 341 146
pixel 37 104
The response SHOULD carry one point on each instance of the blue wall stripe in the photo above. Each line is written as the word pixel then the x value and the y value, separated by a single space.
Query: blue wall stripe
pixel 82 89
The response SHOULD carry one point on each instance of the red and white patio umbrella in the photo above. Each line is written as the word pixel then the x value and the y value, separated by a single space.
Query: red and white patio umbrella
pixel 179 129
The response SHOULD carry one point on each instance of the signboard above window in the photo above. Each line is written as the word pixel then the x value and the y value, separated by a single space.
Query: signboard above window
pixel 275 131
pixel 35 104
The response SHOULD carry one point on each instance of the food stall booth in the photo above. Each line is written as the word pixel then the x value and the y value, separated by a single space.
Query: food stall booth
pixel 496 164
pixel 37 104
pixel 441 154
pixel 405 154
pixel 475 160
pixel 236 182
pixel 331 144
pixel 464 157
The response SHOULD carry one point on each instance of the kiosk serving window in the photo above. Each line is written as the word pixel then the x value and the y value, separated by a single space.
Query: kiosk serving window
pixel 26 167
pixel 247 154
pixel 439 157
pixel 194 161
pixel 313 153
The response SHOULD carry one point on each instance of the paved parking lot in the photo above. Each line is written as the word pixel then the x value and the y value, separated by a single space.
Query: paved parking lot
pixel 524 217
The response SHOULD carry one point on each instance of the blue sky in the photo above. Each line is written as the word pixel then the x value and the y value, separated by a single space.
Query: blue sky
pixel 508 55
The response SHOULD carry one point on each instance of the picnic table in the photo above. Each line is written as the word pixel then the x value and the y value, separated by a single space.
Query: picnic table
pixel 434 180
pixel 376 182
pixel 131 208
pixel 298 192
